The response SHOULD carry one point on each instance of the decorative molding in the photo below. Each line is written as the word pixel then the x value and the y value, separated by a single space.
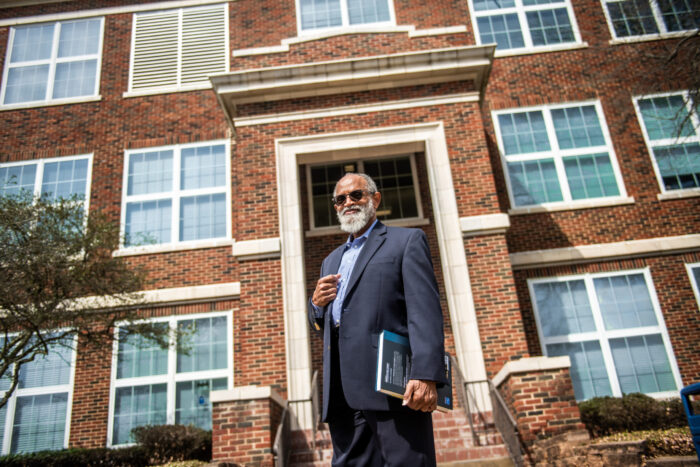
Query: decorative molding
pixel 170 247
pixel 245 393
pixel 573 205
pixel 532 364
pixel 257 249
pixel 353 75
pixel 605 251
pixel 486 224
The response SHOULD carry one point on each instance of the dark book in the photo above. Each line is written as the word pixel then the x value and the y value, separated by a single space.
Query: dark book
pixel 394 368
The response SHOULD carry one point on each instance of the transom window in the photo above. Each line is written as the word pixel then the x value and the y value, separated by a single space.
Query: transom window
pixel 176 194
pixel 316 15
pixel 154 386
pixel 611 327
pixel 631 18
pixel 557 154
pixel 53 62
pixel 524 24
pixel 395 179
pixel 672 132
pixel 35 417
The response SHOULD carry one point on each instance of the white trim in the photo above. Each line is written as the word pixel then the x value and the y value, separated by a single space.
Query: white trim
pixel 55 102
pixel 693 283
pixel 530 365
pixel 605 251
pixel 335 230
pixel 572 205
pixel 650 37
pixel 357 109
pixel 484 224
pixel 107 11
pixel 170 247
pixel 678 194
pixel 568 46
pixel 256 249
pixel 245 393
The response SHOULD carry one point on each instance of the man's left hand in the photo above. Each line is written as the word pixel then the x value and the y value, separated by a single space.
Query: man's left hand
pixel 420 395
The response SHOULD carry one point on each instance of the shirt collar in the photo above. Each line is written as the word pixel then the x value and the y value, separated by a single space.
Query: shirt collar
pixel 364 235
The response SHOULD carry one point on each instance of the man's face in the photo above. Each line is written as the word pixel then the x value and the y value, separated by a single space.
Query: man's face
pixel 355 216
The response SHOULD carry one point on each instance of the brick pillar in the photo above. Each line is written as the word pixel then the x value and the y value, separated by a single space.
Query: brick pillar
pixel 244 423
pixel 540 395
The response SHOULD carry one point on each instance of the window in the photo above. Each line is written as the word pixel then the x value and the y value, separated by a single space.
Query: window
pixel 524 24
pixel 611 327
pixel 395 179
pixel 50 178
pixel 157 386
pixel 177 194
pixel 672 132
pixel 694 273
pixel 178 48
pixel 644 17
pixel 36 416
pixel 556 154
pixel 53 62
pixel 315 15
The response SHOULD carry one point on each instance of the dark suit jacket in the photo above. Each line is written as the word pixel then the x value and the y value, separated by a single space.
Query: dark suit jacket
pixel 392 287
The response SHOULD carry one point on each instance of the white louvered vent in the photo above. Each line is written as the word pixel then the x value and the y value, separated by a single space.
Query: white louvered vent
pixel 178 47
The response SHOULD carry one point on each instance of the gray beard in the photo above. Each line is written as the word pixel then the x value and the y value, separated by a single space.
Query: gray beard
pixel 354 223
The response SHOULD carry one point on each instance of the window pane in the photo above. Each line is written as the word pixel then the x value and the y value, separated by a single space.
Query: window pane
pixel 323 180
pixel 504 30
pixel 32 43
pixel 480 5
pixel 588 373
pixel 550 26
pixel 39 423
pixel 632 18
pixel 577 127
pixel 150 172
pixel 368 11
pixel 680 15
pixel 679 165
pixel 320 14
pixel 79 38
pixel 193 404
pixel 625 302
pixel 16 178
pixel 590 176
pixel 207 344
pixel 148 222
pixel 26 84
pixel 642 364
pixel 75 79
pixel 394 180
pixel 203 167
pixel 563 308
pixel 64 179
pixel 534 182
pixel 139 357
pixel 523 133
pixel 137 406
pixel 666 117
pixel 203 217
pixel 50 370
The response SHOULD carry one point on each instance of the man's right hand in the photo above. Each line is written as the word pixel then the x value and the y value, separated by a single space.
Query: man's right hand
pixel 326 288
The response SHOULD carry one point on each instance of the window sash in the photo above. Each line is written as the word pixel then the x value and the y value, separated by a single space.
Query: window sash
pixel 651 17
pixel 590 381
pixel 694 275
pixel 344 14
pixel 56 75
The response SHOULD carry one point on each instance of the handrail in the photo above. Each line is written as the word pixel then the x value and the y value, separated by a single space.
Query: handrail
pixel 508 427
pixel 280 448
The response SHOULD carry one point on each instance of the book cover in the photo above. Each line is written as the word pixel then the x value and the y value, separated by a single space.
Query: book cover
pixel 394 367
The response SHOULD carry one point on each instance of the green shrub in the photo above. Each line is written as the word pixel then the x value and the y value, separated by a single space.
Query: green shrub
pixel 123 457
pixel 632 412
pixel 169 443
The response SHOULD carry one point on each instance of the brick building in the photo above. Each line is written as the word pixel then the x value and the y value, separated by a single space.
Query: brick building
pixel 549 150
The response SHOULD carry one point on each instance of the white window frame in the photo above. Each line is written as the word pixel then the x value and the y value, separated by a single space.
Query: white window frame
pixel 360 168
pixel 522 10
pixel 558 155
pixel 41 163
pixel 660 24
pixel 38 391
pixel 693 283
pixel 52 62
pixel 171 378
pixel 175 195
pixel 345 27
pixel 179 87
pixel 603 336
pixel 695 121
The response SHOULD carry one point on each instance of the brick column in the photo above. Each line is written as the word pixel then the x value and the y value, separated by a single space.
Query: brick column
pixel 540 395
pixel 244 423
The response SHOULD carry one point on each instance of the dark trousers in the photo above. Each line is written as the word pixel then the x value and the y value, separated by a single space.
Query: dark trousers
pixel 402 438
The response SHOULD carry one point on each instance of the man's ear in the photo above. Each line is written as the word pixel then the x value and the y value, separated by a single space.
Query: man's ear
pixel 377 198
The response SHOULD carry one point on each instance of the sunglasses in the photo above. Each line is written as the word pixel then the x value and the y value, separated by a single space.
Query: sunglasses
pixel 355 195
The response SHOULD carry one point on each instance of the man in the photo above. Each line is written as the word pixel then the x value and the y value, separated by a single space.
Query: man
pixel 380 279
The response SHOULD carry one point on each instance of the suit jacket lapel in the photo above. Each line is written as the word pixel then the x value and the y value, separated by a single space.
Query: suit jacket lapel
pixel 375 240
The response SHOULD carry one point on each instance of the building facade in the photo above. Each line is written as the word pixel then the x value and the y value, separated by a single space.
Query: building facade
pixel 549 150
